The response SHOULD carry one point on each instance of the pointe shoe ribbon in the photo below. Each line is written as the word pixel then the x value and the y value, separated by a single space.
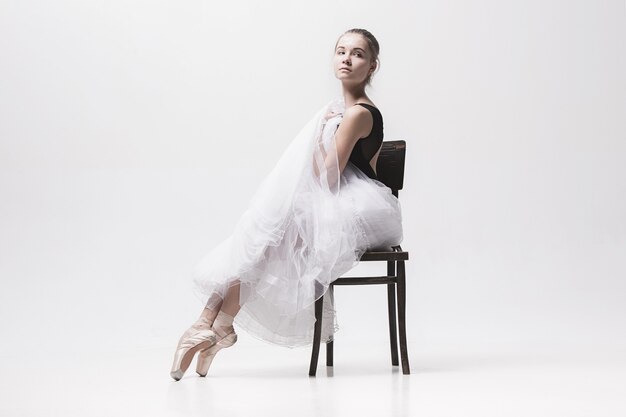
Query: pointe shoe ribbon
pixel 205 357
pixel 194 339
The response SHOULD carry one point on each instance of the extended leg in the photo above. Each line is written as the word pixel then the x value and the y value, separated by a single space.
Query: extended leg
pixel 229 305
pixel 222 328
pixel 223 323
pixel 207 317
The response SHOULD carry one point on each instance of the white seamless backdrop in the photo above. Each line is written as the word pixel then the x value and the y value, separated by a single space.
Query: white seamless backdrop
pixel 133 134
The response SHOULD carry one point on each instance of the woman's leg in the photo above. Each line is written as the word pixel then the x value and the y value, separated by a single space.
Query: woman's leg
pixel 222 328
pixel 223 323
pixel 217 315
pixel 209 312
pixel 230 305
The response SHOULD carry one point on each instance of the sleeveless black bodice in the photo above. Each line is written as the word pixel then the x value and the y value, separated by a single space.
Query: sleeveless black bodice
pixel 365 148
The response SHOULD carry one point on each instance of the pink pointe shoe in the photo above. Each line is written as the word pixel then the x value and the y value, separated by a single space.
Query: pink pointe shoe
pixel 205 357
pixel 196 338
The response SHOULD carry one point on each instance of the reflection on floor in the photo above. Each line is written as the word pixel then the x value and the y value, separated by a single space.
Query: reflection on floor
pixel 253 379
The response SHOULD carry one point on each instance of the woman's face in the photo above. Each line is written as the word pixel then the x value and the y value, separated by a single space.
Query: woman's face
pixel 352 59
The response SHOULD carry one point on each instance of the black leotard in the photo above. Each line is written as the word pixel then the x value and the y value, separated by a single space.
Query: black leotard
pixel 365 148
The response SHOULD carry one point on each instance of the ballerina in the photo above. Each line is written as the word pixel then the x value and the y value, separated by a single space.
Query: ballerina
pixel 320 208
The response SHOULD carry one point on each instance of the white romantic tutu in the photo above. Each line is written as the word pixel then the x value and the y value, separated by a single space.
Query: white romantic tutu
pixel 305 227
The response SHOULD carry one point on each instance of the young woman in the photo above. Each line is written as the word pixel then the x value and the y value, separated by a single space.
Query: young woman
pixel 311 219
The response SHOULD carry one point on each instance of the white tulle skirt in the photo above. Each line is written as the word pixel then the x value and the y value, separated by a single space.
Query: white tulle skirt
pixel 307 225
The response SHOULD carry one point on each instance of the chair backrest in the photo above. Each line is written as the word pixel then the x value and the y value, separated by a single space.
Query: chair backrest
pixel 390 164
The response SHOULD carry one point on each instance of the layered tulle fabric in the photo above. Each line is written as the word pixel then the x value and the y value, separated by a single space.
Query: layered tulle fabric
pixel 307 225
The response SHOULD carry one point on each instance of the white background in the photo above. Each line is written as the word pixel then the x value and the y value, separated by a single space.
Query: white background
pixel 134 133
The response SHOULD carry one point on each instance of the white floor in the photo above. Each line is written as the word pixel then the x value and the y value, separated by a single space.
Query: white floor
pixel 255 379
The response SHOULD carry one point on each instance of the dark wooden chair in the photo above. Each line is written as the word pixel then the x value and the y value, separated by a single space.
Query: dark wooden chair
pixel 390 169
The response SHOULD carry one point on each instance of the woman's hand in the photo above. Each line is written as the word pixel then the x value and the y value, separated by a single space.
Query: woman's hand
pixel 330 115
pixel 355 124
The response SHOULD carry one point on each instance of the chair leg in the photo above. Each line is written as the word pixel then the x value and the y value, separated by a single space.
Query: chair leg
pixel 391 307
pixel 317 335
pixel 329 345
pixel 402 317
pixel 329 353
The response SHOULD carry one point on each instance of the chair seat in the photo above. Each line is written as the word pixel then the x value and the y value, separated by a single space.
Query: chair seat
pixel 395 254
pixel 385 256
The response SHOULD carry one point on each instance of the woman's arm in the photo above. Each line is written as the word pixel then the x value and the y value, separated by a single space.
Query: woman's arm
pixel 357 122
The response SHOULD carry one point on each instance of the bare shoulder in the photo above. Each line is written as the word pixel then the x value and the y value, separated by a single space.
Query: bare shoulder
pixel 358 121
pixel 356 111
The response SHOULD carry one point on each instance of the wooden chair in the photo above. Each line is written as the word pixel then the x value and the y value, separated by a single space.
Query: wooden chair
pixel 390 169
